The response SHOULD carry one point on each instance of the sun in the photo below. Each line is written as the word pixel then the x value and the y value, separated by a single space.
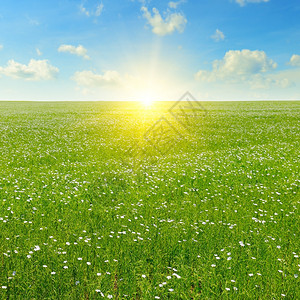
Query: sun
pixel 147 99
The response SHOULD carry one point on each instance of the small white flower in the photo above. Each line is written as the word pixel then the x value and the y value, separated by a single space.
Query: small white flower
pixel 99 274
pixel 88 263
pixel 4 287
pixel 171 290
pixel 213 265
pixel 144 276
pixel 28 256
pixel 169 277
pixel 250 274
pixel 98 291
pixel 176 275
pixel 65 267
pixel 44 266
pixel 156 297
pixel 79 258
pixel 227 289
pixel 109 296
pixel 296 275
pixel 53 273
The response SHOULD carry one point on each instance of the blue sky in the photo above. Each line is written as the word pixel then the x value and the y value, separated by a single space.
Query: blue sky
pixel 137 50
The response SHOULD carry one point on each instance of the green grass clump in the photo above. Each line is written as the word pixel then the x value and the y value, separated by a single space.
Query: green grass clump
pixel 215 217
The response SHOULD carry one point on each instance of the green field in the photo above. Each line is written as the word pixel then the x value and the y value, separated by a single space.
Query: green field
pixel 214 216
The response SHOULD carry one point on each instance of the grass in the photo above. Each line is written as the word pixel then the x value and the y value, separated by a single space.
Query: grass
pixel 215 217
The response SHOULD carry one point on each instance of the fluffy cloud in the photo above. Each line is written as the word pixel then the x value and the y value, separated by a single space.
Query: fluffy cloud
pixel 99 9
pixel 295 60
pixel 95 12
pixel 79 50
pixel 218 36
pixel 172 22
pixel 90 79
pixel 244 2
pixel 238 65
pixel 35 70
pixel 173 4
pixel 38 52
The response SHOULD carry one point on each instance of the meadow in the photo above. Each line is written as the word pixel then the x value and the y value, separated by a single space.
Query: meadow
pixel 211 213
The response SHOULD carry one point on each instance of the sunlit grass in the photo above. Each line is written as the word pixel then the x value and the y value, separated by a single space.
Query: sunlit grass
pixel 215 217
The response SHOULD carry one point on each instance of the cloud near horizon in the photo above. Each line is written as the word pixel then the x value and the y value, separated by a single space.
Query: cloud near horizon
pixel 172 22
pixel 295 60
pixel 91 79
pixel 248 67
pixel 36 70
pixel 238 64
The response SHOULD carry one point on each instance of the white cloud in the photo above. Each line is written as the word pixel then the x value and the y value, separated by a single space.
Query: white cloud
pixel 173 4
pixel 79 50
pixel 99 9
pixel 238 65
pixel 93 12
pixel 295 60
pixel 90 79
pixel 38 52
pixel 172 22
pixel 260 81
pixel 244 2
pixel 35 70
pixel 218 36
pixel 84 11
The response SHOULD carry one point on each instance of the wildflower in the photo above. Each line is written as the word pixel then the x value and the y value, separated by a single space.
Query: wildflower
pixel 144 276
pixel 213 265
pixel 4 287
pixel 176 275
pixel 250 274
pixel 53 273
